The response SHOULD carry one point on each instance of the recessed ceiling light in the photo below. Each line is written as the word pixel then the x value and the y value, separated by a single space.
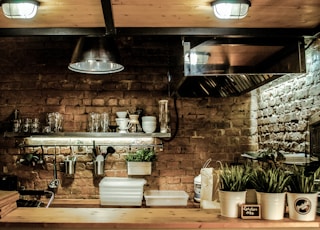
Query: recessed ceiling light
pixel 231 9
pixel 19 9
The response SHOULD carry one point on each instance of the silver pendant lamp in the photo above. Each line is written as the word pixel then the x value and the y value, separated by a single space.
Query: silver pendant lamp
pixel 96 55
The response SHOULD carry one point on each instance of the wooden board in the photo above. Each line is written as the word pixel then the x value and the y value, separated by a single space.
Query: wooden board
pixel 8 202
pixel 7 197
pixel 138 218
pixel 7 194
pixel 168 13
pixel 5 210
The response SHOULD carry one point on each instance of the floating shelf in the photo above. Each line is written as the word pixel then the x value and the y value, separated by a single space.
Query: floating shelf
pixel 90 139
pixel 86 135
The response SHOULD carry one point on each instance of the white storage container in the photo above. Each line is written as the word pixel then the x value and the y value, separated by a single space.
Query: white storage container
pixel 166 198
pixel 121 191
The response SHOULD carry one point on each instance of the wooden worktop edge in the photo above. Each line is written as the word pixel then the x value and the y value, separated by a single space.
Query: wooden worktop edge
pixel 138 218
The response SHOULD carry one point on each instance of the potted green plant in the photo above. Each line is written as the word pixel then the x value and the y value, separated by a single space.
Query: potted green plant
pixel 302 181
pixel 302 197
pixel 270 180
pixel 140 162
pixel 270 185
pixel 232 188
pixel 234 178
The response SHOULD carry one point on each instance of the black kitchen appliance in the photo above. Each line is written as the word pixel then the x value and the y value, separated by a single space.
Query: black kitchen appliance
pixel 34 198
pixel 8 182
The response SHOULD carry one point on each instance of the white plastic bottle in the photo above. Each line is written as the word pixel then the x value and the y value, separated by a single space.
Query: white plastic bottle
pixel 197 188
pixel 197 183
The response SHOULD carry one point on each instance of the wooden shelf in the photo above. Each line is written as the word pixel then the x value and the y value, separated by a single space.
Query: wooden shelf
pixel 90 139
pixel 86 134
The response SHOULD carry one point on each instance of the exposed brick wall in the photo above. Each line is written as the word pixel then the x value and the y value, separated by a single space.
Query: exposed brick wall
pixel 286 104
pixel 35 79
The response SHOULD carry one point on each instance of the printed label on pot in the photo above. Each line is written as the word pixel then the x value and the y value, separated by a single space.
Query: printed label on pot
pixel 302 205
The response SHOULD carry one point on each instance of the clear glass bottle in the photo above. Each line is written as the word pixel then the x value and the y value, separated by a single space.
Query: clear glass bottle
pixel 16 123
pixel 164 116
pixel 35 126
pixel 104 119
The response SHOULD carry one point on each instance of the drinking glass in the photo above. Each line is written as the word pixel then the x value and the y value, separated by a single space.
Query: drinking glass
pixel 93 122
pixel 104 119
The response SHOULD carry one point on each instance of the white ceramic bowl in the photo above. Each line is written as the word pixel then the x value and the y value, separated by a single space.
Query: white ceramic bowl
pixel 148 118
pixel 149 128
pixel 149 122
pixel 122 114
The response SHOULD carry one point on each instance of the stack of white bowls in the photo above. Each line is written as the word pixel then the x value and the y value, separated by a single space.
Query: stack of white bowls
pixel 149 124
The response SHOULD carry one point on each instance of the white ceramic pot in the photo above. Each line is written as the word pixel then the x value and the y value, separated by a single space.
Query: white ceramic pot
pixel 230 203
pixel 272 205
pixel 302 206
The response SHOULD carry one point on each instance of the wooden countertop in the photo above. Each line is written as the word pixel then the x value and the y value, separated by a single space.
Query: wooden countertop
pixel 138 218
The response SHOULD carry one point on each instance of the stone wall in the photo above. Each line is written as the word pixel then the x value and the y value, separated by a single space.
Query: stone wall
pixel 286 104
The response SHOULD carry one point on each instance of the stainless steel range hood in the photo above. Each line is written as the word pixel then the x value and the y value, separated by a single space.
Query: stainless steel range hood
pixel 222 67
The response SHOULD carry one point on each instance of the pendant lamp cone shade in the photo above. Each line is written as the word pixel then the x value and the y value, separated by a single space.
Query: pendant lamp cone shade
pixel 96 55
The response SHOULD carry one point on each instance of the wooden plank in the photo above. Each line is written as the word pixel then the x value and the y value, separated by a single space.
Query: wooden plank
pixel 139 218
pixel 175 15
pixel 7 209
pixel 7 194
pixel 9 201
pixel 8 197
pixel 168 13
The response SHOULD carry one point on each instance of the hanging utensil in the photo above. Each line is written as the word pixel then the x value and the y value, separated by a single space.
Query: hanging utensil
pixel 94 152
pixel 55 182
pixel 41 161
pixel 55 164
pixel 110 150
pixel 98 151
pixel 100 158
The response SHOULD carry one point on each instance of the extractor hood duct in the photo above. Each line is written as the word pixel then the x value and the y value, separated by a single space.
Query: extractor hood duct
pixel 222 67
